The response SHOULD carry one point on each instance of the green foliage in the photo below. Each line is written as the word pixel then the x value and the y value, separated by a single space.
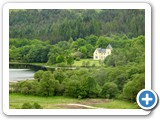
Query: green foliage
pixel 83 50
pixel 38 75
pixel 26 106
pixel 62 64
pixel 29 106
pixel 78 59
pixel 132 53
pixel 46 84
pixel 72 89
pixel 37 106
pixel 70 60
pixel 52 59
pixel 86 83
pixel 59 75
pixel 92 39
pixel 90 88
pixel 60 58
pixel 101 42
pixel 109 90
pixel 132 88
pixel 56 25
pixel 121 73
pixel 28 50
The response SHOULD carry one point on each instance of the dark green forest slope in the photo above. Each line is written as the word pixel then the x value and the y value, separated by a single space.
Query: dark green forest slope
pixel 57 25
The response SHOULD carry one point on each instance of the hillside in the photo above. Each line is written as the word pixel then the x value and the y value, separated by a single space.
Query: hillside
pixel 57 25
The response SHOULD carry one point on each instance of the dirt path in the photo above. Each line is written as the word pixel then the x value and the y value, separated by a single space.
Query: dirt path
pixel 85 104
pixel 77 106
pixel 81 105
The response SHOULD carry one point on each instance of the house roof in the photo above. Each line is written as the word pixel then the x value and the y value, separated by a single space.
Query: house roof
pixel 109 47
pixel 100 50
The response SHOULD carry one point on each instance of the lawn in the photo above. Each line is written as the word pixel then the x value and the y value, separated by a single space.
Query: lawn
pixel 91 62
pixel 118 103
pixel 60 102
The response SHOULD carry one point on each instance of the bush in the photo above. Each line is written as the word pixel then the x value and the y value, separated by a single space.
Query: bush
pixel 109 90
pixel 89 88
pixel 26 106
pixel 36 106
pixel 38 75
pixel 72 89
pixel 24 90
pixel 29 106
pixel 131 89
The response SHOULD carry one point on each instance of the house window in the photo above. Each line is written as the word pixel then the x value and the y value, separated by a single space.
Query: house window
pixel 96 57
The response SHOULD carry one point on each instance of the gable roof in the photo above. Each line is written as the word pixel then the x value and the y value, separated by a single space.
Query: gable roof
pixel 100 50
pixel 109 47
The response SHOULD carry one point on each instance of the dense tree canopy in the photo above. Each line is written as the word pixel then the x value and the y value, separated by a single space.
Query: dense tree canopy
pixel 56 25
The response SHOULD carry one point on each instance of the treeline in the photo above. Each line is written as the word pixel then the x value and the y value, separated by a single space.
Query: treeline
pixel 60 25
pixel 122 77
pixel 64 53
pixel 123 82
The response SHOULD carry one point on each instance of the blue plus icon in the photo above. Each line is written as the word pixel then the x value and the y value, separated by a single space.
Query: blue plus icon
pixel 147 99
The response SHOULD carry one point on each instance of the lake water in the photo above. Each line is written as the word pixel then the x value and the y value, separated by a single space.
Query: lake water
pixel 20 74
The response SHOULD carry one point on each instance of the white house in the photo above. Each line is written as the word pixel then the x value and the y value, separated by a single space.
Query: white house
pixel 101 54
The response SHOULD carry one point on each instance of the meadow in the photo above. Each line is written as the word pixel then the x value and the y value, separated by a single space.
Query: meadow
pixel 91 62
pixel 60 102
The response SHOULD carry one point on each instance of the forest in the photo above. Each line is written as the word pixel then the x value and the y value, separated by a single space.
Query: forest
pixel 59 25
pixel 60 38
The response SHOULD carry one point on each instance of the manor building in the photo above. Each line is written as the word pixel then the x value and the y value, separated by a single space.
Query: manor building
pixel 101 54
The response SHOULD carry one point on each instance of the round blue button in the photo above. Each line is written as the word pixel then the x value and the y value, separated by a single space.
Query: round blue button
pixel 147 99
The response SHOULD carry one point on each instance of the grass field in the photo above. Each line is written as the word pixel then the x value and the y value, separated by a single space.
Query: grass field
pixel 91 62
pixel 59 102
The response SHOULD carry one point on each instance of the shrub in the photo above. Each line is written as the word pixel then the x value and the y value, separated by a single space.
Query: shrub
pixel 38 75
pixel 72 89
pixel 109 90
pixel 29 106
pixel 131 89
pixel 24 90
pixel 26 106
pixel 37 106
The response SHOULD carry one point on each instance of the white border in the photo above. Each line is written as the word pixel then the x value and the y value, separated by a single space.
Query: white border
pixel 8 6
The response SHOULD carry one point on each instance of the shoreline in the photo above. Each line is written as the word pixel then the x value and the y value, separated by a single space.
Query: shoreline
pixel 13 81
